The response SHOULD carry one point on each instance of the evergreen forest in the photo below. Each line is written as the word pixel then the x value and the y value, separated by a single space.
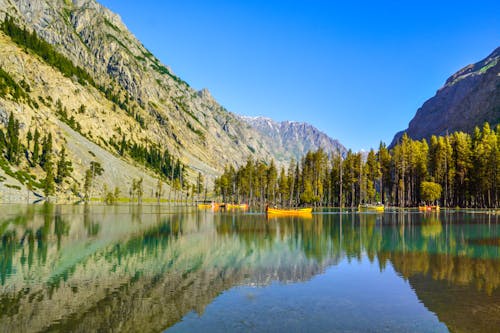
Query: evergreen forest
pixel 455 170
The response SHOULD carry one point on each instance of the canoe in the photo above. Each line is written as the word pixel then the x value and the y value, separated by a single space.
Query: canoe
pixel 236 206
pixel 289 212
pixel 204 206
pixel 428 208
pixel 208 206
pixel 371 208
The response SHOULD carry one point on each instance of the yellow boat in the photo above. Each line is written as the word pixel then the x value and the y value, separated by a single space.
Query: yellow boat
pixel 204 206
pixel 371 208
pixel 289 212
pixel 428 208
pixel 236 206
pixel 208 206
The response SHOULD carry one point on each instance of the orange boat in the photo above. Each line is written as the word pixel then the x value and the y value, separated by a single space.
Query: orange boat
pixel 289 212
pixel 428 208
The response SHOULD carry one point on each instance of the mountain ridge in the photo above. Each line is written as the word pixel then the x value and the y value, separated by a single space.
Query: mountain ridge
pixel 298 137
pixel 128 96
pixel 469 97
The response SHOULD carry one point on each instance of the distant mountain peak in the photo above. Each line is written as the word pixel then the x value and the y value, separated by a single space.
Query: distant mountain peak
pixel 292 139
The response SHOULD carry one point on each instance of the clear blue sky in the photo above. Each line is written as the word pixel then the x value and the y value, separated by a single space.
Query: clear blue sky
pixel 356 70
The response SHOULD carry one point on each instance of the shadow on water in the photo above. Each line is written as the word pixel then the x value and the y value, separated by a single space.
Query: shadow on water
pixel 81 268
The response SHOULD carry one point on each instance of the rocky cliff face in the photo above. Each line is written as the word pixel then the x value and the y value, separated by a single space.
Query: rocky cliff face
pixel 175 115
pixel 134 95
pixel 469 98
pixel 290 139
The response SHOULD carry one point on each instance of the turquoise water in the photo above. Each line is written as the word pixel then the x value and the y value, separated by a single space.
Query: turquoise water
pixel 151 269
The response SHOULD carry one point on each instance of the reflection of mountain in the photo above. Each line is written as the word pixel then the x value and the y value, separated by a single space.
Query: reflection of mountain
pixel 462 307
pixel 75 269
pixel 163 268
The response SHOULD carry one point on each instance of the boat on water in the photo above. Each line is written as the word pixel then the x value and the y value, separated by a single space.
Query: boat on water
pixel 429 208
pixel 212 205
pixel 237 206
pixel 204 206
pixel 371 208
pixel 217 205
pixel 289 212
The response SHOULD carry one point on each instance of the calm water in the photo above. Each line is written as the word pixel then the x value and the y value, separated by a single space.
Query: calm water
pixel 150 269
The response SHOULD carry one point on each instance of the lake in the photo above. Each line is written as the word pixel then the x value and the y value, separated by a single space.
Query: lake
pixel 178 269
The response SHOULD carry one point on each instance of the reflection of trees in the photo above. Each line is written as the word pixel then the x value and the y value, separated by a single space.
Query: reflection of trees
pixel 431 227
pixel 156 276
pixel 176 263
pixel 17 231
pixel 90 224
pixel 6 254
pixel 454 252
pixel 459 248
pixel 146 244
pixel 415 243
pixel 61 228
pixel 42 233
pixel 461 307
pixel 484 274
pixel 310 235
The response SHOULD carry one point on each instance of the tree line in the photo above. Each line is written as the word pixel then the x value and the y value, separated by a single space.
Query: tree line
pixel 460 168
pixel 29 40
pixel 161 161
pixel 38 152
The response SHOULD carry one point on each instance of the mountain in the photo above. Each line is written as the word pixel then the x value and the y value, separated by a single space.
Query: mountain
pixel 104 97
pixel 290 139
pixel 469 98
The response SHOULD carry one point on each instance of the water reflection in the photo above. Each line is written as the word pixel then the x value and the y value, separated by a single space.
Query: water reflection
pixel 82 268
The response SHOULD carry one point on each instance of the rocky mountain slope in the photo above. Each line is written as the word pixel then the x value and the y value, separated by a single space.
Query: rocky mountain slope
pixel 469 98
pixel 290 139
pixel 120 92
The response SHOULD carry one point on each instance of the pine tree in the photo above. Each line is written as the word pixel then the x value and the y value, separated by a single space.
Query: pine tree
pixel 12 139
pixel 272 177
pixel 48 188
pixel 372 175
pixel 199 183
pixel 64 167
pixel 29 137
pixel 461 145
pixel 87 185
pixel 159 190
pixel 36 148
pixel 46 151
pixel 284 191
pixel 385 161
pixel 137 189
pixel 123 146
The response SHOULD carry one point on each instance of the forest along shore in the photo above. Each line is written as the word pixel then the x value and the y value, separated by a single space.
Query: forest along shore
pixel 456 170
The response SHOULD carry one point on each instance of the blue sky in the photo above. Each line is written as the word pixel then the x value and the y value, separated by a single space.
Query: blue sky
pixel 356 70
